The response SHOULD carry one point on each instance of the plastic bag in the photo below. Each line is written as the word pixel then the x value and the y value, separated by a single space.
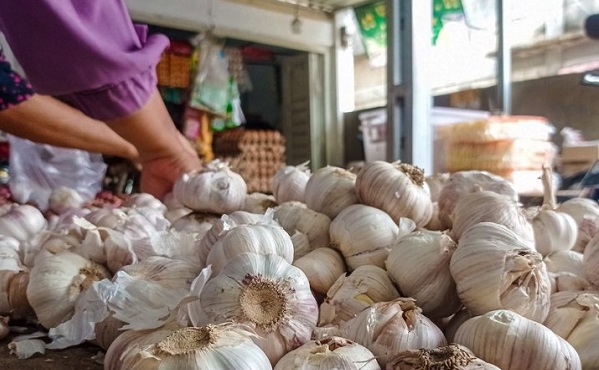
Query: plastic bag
pixel 37 169
pixel 211 83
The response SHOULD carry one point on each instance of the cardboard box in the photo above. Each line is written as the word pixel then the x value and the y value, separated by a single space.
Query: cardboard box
pixel 575 159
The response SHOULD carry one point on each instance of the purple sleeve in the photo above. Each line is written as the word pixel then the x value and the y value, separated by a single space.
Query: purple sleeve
pixel 82 50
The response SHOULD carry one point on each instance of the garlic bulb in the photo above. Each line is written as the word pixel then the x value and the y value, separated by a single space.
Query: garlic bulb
pixel 474 208
pixel 553 231
pixel 4 329
pixel 436 182
pixel 218 226
pixel 301 245
pixel 494 268
pixel 419 264
pixel 267 294
pixel 465 182
pixel 574 316
pixel 145 200
pixel 259 203
pixel 351 294
pixel 295 216
pixel 329 190
pixel 105 217
pixel 513 342
pixel 214 189
pixel 567 281
pixel 195 223
pixel 329 353
pixel 586 214
pixel 565 261
pixel 322 266
pixel 21 221
pixel 63 199
pixel 56 282
pixel 214 347
pixel 453 356
pixel 389 328
pixel 256 238
pixel 590 261
pixel 364 235
pixel 289 183
pixel 397 188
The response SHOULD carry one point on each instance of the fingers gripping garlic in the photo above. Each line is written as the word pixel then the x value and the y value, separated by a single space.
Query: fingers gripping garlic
pixel 396 188
pixel 269 295
pixel 494 268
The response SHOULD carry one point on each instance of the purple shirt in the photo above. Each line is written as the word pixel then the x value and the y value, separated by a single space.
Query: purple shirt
pixel 86 52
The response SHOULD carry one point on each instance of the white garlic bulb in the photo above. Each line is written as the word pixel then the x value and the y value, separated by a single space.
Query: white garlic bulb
pixel 419 264
pixel 389 328
pixel 195 223
pixel 289 183
pixel 465 182
pixel 215 189
pixel 256 238
pixel 553 231
pixel 106 217
pixel 56 282
pixel 364 235
pixel 574 316
pixel 474 208
pixel 62 199
pixel 21 221
pixel 322 266
pixel 590 262
pixel 267 294
pixel 259 203
pixel 219 225
pixel 329 353
pixel 295 216
pixel 567 281
pixel 397 188
pixel 495 269
pixel 351 294
pixel 214 347
pixel 435 223
pixel 513 342
pixel 145 200
pixel 453 356
pixel 586 214
pixel 329 190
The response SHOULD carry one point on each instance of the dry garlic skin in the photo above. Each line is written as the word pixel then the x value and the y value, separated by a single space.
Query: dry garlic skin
pixel 329 190
pixel 269 295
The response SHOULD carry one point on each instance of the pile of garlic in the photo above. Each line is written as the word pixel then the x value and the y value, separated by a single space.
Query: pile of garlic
pixel 380 269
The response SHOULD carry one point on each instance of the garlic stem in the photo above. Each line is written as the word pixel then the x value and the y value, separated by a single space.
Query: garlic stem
pixel 549 200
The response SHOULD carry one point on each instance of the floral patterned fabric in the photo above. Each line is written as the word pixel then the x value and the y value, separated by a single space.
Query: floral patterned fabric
pixel 14 89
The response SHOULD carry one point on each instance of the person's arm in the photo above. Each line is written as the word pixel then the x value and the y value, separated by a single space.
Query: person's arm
pixel 46 120
pixel 163 152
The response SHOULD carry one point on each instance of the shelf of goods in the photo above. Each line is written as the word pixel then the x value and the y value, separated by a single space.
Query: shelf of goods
pixel 514 147
pixel 255 154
